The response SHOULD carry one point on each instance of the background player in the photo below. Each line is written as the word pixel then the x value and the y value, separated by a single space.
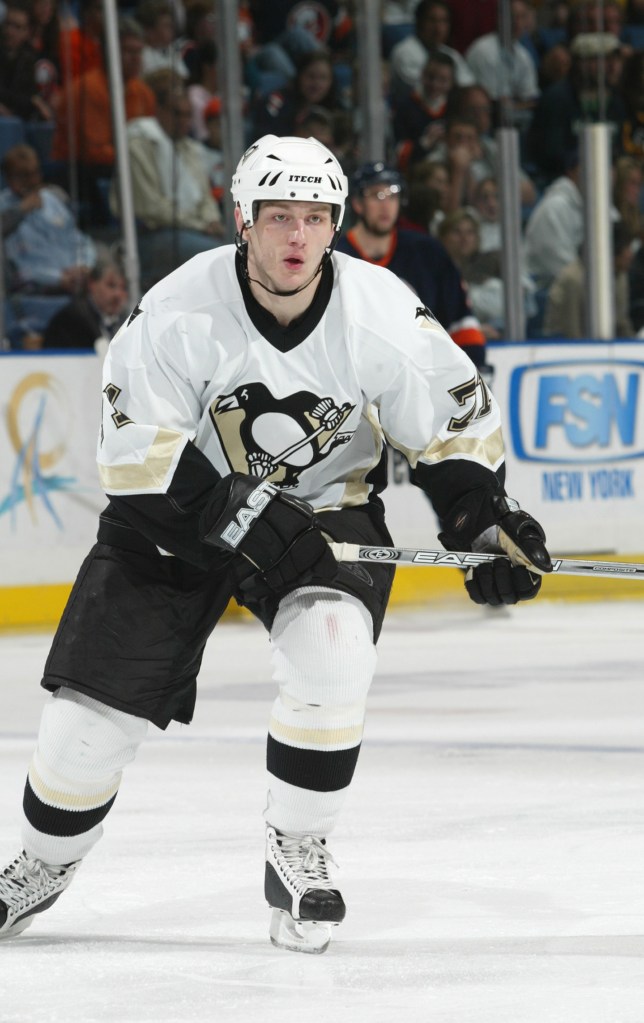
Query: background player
pixel 418 259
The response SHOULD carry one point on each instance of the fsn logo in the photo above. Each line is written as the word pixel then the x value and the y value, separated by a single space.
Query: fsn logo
pixel 587 408
pixel 578 411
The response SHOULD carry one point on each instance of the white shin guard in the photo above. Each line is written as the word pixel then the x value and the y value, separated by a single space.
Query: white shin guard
pixel 74 776
pixel 324 659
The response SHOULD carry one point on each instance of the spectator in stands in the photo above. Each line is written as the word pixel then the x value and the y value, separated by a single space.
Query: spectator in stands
pixel 46 256
pixel 566 305
pixel 632 92
pixel 81 46
pixel 283 110
pixel 18 90
pixel 573 101
pixel 555 228
pixel 473 103
pixel 203 85
pixel 435 177
pixel 200 27
pixel 419 118
pixel 45 39
pixel 92 144
pixel 509 77
pixel 44 250
pixel 409 57
pixel 418 259
pixel 555 16
pixel 334 130
pixel 596 16
pixel 554 66
pixel 317 123
pixel 213 150
pixel 459 232
pixel 471 157
pixel 173 202
pixel 161 49
pixel 461 150
pixel 486 204
pixel 420 209
pixel 628 195
pixel 95 314
pixel 45 29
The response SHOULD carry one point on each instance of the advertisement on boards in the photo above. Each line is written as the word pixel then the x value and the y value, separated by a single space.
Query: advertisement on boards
pixel 574 438
pixel 573 427
pixel 49 491
pixel 573 431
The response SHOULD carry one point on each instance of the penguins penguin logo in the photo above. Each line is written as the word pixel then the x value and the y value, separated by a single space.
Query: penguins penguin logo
pixel 277 438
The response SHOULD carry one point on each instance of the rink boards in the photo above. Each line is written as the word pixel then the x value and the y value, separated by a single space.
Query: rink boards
pixel 574 436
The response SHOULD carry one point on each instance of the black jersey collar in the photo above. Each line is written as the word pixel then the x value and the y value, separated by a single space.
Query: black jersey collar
pixel 287 338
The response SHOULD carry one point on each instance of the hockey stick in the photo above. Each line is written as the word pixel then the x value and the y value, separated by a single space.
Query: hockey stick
pixel 459 559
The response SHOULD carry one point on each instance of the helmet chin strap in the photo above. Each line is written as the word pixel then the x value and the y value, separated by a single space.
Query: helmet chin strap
pixel 282 294
pixel 242 248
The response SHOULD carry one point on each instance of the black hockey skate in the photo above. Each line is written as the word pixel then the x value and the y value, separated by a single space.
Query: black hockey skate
pixel 298 888
pixel 28 887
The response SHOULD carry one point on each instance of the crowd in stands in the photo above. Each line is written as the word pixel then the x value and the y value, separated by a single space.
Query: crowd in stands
pixel 432 210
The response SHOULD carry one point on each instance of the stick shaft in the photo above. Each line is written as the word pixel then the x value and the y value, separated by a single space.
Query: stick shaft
pixel 459 559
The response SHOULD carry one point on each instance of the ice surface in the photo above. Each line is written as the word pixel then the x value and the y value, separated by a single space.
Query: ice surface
pixel 492 844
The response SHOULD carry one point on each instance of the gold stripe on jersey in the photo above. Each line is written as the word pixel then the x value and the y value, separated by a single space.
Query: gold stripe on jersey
pixel 356 491
pixel 487 450
pixel 327 737
pixel 147 475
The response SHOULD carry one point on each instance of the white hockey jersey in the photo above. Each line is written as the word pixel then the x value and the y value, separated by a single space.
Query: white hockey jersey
pixel 201 365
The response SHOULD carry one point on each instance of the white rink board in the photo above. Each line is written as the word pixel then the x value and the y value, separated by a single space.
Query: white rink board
pixel 49 492
pixel 573 426
pixel 573 417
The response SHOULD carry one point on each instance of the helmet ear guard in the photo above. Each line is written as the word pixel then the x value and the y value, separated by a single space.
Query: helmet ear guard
pixel 289 169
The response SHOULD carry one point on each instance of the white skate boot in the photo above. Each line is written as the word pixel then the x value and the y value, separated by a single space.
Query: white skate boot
pixel 28 887
pixel 298 887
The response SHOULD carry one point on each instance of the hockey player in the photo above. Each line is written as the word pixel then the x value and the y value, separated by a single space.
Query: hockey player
pixel 417 258
pixel 245 404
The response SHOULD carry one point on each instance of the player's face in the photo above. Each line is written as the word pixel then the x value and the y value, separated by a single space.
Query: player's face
pixel 287 242
pixel 378 208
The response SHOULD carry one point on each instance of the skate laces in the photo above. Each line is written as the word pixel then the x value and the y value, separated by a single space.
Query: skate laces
pixel 25 881
pixel 308 857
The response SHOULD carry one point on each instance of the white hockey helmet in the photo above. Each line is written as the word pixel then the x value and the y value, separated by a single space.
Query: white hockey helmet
pixel 289 168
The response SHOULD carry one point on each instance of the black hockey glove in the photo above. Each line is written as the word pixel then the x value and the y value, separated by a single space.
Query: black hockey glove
pixel 514 533
pixel 277 533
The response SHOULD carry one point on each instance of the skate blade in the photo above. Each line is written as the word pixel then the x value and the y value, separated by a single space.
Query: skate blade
pixel 299 935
